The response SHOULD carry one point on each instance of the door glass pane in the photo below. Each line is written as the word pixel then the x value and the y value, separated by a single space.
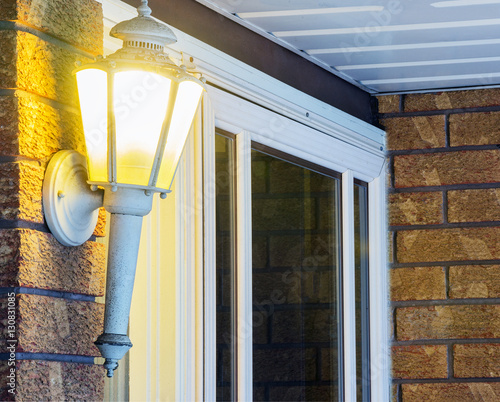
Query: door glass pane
pixel 224 266
pixel 295 228
pixel 361 289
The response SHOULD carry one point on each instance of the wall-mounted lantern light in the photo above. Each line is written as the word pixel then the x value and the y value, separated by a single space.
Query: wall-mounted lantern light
pixel 137 108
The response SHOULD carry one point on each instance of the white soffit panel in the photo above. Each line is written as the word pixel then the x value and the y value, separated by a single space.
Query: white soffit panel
pixel 384 46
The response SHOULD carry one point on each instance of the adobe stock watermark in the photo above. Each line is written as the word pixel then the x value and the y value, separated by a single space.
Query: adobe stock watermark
pixel 366 35
pixel 11 343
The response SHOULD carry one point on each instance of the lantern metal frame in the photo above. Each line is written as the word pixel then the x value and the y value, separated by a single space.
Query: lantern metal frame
pixel 71 200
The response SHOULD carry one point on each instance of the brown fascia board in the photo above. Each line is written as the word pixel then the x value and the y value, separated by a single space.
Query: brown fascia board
pixel 253 49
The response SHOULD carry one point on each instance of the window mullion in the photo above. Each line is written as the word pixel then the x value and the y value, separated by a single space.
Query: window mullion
pixel 348 275
pixel 244 370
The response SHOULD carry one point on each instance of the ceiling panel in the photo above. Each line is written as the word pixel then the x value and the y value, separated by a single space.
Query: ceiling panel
pixel 384 46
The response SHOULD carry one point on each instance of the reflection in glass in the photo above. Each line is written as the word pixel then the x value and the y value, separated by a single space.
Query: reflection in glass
pixel 295 228
pixel 361 293
pixel 224 161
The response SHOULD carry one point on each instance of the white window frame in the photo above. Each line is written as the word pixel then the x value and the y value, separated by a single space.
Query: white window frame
pixel 255 107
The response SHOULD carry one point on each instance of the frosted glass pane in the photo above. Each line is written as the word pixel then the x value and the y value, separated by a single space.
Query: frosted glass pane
pixel 140 102
pixel 188 98
pixel 92 91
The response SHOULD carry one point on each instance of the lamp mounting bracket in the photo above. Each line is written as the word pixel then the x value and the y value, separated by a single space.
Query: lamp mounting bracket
pixel 70 206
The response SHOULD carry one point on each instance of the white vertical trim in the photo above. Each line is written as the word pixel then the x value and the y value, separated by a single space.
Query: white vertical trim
pixel 197 211
pixel 159 308
pixel 148 235
pixel 244 267
pixel 348 274
pixel 210 357
pixel 379 311
pixel 186 272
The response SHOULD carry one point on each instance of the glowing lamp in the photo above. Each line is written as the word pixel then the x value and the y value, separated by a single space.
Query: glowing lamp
pixel 137 108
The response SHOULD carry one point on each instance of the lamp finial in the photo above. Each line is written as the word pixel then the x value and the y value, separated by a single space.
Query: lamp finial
pixel 143 9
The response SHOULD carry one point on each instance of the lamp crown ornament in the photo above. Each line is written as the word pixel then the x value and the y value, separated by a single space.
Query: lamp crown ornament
pixel 137 109
pixel 144 31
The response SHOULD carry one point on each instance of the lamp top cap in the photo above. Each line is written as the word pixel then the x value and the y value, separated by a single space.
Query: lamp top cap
pixel 143 28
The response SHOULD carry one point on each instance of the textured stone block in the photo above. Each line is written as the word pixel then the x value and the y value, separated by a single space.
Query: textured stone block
pixel 415 208
pixel 31 128
pixel 448 244
pixel 439 169
pixel 21 191
pixel 33 259
pixel 292 364
pixel 54 325
pixel 295 326
pixel 289 393
pixel 39 67
pixel 427 283
pixel 475 129
pixel 277 214
pixel 474 281
pixel 388 104
pixel 100 229
pixel 39 380
pixel 448 322
pixel 452 100
pixel 475 361
pixel 419 132
pixel 474 205
pixel 454 392
pixel 271 289
pixel 77 22
pixel 419 361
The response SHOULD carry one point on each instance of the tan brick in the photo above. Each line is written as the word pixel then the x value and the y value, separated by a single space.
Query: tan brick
pixel 475 361
pixel 474 281
pixel 415 208
pixel 21 191
pixel 474 205
pixel 77 22
pixel 426 283
pixel 394 393
pixel 439 169
pixel 419 361
pixel 39 380
pixel 36 130
pixel 475 129
pixel 36 66
pixel 452 100
pixel 448 244
pixel 55 325
pixel 454 392
pixel 100 229
pixel 33 259
pixel 388 104
pixel 448 322
pixel 418 132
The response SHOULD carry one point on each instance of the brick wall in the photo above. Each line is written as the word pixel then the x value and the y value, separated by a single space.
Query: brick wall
pixel 56 316
pixel 444 211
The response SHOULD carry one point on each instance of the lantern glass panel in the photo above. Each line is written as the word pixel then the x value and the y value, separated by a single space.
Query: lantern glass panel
pixel 93 93
pixel 140 105
pixel 186 104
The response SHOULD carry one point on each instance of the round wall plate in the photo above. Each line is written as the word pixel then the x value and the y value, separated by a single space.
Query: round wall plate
pixel 70 207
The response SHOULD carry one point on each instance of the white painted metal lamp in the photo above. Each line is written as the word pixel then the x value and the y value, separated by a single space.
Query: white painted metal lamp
pixel 137 108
